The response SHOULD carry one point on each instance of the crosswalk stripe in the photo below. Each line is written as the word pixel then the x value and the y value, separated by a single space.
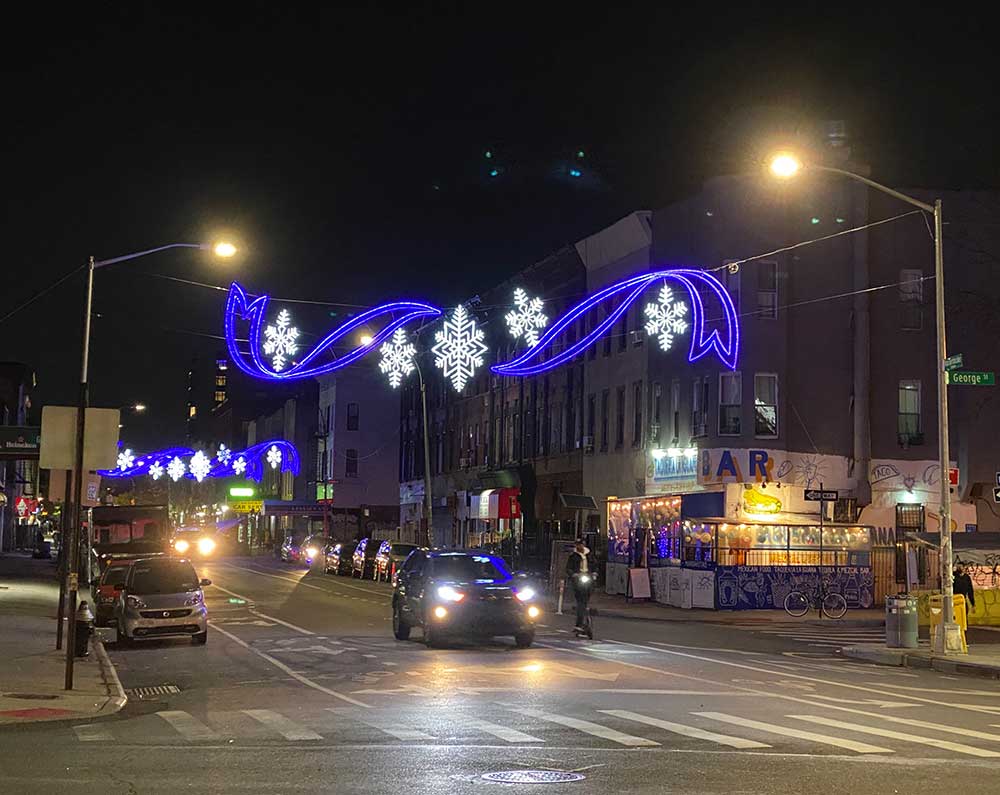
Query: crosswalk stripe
pixel 850 745
pixel 387 725
pixel 503 732
pixel 187 725
pixel 93 732
pixel 284 726
pixel 945 745
pixel 687 731
pixel 923 724
pixel 585 726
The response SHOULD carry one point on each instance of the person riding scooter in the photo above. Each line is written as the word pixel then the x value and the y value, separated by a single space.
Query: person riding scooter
pixel 579 570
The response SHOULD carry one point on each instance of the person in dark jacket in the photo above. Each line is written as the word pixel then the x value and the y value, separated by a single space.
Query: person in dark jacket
pixel 580 572
pixel 963 585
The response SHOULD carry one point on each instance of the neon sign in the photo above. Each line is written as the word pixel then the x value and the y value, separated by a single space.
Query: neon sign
pixel 171 462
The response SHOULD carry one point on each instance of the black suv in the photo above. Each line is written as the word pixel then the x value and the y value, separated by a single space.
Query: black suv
pixel 455 594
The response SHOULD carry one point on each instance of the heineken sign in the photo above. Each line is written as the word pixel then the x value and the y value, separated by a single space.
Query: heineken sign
pixel 18 441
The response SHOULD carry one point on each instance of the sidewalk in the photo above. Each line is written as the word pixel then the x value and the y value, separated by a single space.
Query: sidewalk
pixel 982 660
pixel 32 672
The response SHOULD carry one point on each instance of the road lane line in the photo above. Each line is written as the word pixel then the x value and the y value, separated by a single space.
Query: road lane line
pixel 504 733
pixel 310 585
pixel 708 648
pixel 284 726
pixel 585 726
pixel 93 732
pixel 786 731
pixel 946 745
pixel 305 680
pixel 388 725
pixel 189 727
pixel 256 612
pixel 687 731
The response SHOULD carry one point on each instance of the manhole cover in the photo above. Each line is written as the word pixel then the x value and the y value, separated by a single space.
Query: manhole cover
pixel 32 696
pixel 149 692
pixel 532 777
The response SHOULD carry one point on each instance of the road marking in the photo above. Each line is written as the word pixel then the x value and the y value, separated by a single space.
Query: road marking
pixel 259 614
pixel 871 702
pixel 773 728
pixel 187 725
pixel 295 675
pixel 520 670
pixel 687 731
pixel 390 664
pixel 585 726
pixel 955 691
pixel 93 732
pixel 923 724
pixel 504 733
pixel 286 727
pixel 706 648
pixel 243 622
pixel 310 585
pixel 316 649
pixel 945 745
pixel 389 725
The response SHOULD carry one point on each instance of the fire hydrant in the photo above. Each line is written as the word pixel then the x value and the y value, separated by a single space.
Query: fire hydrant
pixel 84 629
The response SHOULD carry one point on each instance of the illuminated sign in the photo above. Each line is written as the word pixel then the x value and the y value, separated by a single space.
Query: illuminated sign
pixel 242 491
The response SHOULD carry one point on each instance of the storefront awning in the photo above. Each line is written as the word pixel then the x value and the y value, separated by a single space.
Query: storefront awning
pixel 499 504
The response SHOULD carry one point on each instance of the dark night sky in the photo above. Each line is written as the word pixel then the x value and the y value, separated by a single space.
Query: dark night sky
pixel 317 137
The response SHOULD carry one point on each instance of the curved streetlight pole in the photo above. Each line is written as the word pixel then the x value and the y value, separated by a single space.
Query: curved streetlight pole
pixel 428 500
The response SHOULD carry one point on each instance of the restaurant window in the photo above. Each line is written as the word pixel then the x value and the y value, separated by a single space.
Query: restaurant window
pixel 352 416
pixel 767 289
pixel 765 404
pixel 908 425
pixel 730 403
pixel 351 464
pixel 637 414
pixel 605 399
pixel 911 298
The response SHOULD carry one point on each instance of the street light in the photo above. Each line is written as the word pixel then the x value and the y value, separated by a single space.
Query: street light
pixel 221 249
pixel 786 165
pixel 138 408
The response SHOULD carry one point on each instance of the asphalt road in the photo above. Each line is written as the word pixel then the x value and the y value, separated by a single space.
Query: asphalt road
pixel 301 688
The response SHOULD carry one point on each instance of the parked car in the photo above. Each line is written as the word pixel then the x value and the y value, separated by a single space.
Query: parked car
pixel 291 550
pixel 312 548
pixel 337 558
pixel 363 563
pixel 161 598
pixel 104 591
pixel 389 559
pixel 455 594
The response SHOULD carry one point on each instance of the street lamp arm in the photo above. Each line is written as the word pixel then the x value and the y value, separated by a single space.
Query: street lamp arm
pixel 928 208
pixel 101 263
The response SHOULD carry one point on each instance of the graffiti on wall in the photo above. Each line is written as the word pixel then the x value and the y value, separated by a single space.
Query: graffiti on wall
pixel 764 587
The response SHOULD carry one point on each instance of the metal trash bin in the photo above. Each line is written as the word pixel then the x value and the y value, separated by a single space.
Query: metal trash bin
pixel 901 622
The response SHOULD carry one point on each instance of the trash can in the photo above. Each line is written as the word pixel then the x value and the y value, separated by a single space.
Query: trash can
pixel 893 605
pixel 908 637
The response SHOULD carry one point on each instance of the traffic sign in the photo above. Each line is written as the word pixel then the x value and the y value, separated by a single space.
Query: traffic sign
pixel 970 378
pixel 996 494
pixel 821 495
pixel 953 362
pixel 998 478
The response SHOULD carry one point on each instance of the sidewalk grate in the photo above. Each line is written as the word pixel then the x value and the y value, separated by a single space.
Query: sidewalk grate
pixel 149 692
pixel 532 777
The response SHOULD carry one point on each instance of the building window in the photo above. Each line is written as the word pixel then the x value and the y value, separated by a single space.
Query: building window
pixel 699 412
pixel 605 399
pixel 607 336
pixel 220 397
pixel 591 420
pixel 192 411
pixel 637 414
pixel 620 418
pixel 675 409
pixel 767 289
pixel 220 380
pixel 220 364
pixel 589 321
pixel 351 464
pixel 655 410
pixel 623 332
pixel 352 416
pixel 765 404
pixel 911 299
pixel 908 413
pixel 730 404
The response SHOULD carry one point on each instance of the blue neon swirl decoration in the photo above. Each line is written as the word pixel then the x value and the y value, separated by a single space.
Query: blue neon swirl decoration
pixel 254 457
pixel 238 306
pixel 530 362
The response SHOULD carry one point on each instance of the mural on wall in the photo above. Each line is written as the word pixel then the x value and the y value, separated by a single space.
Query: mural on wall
pixel 722 465
pixel 765 587
pixel 905 481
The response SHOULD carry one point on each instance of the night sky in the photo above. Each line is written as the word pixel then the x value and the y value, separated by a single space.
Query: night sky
pixel 345 149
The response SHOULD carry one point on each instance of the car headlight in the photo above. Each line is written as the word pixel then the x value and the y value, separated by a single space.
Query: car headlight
pixel 134 602
pixel 194 599
pixel 534 612
pixel 181 545
pixel 206 546
pixel 440 612
pixel 525 594
pixel 449 594
pixel 311 552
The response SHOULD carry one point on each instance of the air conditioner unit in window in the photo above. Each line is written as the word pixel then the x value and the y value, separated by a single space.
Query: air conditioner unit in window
pixel 654 430
pixel 464 463
pixel 638 336
pixel 588 444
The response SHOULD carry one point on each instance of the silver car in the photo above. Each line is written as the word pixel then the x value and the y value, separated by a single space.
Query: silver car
pixel 161 598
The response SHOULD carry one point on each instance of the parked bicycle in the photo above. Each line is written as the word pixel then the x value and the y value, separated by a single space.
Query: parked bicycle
pixel 828 603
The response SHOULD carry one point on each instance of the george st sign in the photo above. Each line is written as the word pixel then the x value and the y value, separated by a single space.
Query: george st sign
pixel 970 378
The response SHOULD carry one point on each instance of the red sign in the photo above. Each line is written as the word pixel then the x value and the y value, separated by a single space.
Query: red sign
pixel 25 506
pixel 953 476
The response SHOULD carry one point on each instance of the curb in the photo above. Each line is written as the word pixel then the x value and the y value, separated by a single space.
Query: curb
pixel 116 693
pixel 763 623
pixel 904 658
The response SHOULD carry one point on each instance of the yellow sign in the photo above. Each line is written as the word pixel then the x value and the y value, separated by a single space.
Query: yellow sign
pixel 756 502
pixel 246 506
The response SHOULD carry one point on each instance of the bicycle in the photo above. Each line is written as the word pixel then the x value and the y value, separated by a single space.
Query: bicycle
pixel 829 603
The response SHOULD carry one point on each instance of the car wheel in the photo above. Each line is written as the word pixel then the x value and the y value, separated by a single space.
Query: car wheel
pixel 200 639
pixel 432 638
pixel 524 639
pixel 121 638
pixel 400 629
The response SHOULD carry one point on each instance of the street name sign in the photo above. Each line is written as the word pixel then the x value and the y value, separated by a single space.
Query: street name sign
pixel 821 495
pixel 996 494
pixel 971 378
pixel 953 362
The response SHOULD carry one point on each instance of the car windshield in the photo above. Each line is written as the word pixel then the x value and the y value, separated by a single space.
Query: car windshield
pixel 163 578
pixel 468 568
pixel 402 549
pixel 114 575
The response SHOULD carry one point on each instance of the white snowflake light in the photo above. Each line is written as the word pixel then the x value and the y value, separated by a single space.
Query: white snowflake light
pixel 176 469
pixel 240 465
pixel 397 358
pixel 200 465
pixel 459 348
pixel 527 319
pixel 666 318
pixel 224 454
pixel 155 470
pixel 280 340
pixel 125 459
pixel 274 456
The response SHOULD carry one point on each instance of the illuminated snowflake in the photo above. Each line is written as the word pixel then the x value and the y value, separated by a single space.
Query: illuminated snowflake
pixel 397 358
pixel 666 318
pixel 155 470
pixel 125 459
pixel 281 340
pixel 274 456
pixel 527 319
pixel 200 465
pixel 240 465
pixel 459 348
pixel 224 454
pixel 176 469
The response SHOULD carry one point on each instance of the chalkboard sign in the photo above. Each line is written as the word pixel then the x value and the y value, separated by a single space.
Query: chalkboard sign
pixel 638 584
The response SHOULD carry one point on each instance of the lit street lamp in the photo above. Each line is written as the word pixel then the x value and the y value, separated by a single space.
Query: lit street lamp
pixel 786 165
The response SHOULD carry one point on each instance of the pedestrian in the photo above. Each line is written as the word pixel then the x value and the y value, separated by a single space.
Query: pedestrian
pixel 579 572
pixel 963 585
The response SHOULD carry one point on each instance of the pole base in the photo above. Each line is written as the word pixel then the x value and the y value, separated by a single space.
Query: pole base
pixel 947 639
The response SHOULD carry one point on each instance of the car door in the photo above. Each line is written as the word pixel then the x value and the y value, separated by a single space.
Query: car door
pixel 416 582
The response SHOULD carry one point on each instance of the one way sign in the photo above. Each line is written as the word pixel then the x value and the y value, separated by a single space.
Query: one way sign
pixel 825 495
pixel 996 494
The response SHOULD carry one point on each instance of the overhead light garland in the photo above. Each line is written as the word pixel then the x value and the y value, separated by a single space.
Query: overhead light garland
pixel 527 318
pixel 459 349
pixel 184 462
